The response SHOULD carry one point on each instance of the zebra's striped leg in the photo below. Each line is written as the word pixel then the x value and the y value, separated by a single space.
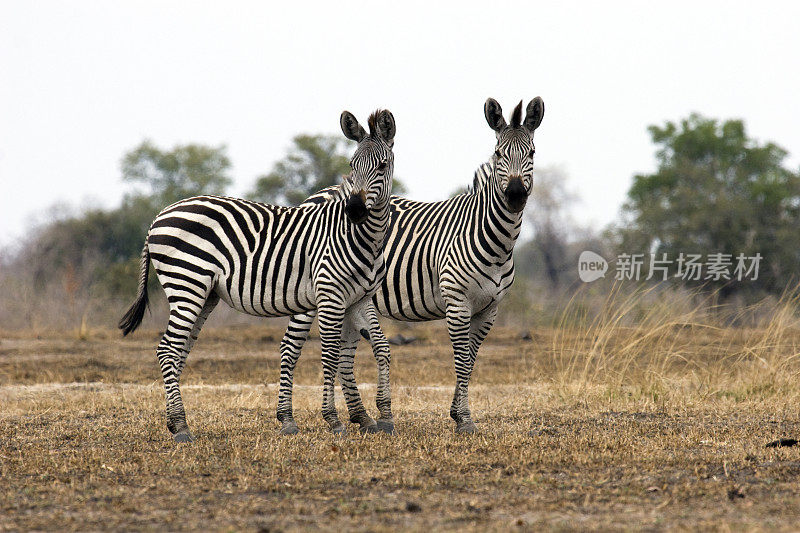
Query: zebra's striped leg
pixel 170 353
pixel 291 346
pixel 355 406
pixel 209 306
pixel 380 349
pixel 330 320
pixel 480 325
pixel 358 414
pixel 458 325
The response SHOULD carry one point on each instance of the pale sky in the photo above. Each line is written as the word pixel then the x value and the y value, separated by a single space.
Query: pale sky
pixel 81 83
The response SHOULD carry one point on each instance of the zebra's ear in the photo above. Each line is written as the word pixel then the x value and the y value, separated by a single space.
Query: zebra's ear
pixel 351 128
pixel 494 114
pixel 386 126
pixel 534 113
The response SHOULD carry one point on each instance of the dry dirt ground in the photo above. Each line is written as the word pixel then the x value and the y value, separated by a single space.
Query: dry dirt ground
pixel 654 445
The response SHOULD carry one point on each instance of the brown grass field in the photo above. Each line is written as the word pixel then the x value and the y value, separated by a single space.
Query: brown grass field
pixel 598 426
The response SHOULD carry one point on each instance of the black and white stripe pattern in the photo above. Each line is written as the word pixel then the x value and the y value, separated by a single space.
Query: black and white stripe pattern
pixel 268 260
pixel 449 259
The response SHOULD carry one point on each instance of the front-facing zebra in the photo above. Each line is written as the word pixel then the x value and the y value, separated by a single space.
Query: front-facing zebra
pixel 449 259
pixel 268 260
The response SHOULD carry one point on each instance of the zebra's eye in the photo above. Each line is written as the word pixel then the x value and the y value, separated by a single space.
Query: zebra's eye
pixel 533 151
pixel 382 166
pixel 497 154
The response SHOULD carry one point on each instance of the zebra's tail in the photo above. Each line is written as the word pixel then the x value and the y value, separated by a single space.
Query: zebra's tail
pixel 133 316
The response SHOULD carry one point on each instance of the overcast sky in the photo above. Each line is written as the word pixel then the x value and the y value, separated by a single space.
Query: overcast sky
pixel 81 83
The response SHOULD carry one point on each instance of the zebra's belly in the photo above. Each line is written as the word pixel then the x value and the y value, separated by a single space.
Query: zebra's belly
pixel 269 298
pixel 418 302
pixel 410 303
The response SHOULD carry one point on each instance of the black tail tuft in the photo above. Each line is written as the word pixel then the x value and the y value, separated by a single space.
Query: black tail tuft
pixel 134 315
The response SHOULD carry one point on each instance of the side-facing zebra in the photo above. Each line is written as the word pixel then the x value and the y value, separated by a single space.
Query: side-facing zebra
pixel 449 259
pixel 269 260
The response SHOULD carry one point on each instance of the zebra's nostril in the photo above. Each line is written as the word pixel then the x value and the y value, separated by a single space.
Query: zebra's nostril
pixel 355 208
pixel 516 195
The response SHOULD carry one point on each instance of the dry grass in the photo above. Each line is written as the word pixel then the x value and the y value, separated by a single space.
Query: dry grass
pixel 595 424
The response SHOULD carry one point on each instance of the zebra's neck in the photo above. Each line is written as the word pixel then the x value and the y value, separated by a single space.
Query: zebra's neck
pixel 372 232
pixel 496 221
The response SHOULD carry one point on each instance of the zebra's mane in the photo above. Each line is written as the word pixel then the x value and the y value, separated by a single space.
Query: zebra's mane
pixel 330 193
pixel 373 130
pixel 516 116
pixel 483 175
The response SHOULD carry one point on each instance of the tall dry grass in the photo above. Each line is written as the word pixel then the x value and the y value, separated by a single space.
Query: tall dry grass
pixel 651 341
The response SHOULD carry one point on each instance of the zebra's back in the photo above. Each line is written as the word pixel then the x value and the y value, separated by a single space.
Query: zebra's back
pixel 254 256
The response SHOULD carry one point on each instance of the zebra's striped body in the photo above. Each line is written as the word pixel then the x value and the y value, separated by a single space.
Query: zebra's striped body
pixel 449 259
pixel 268 260
pixel 264 260
pixel 426 236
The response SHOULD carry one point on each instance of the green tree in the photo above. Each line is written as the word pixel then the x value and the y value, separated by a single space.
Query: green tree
pixel 313 163
pixel 102 247
pixel 186 170
pixel 717 190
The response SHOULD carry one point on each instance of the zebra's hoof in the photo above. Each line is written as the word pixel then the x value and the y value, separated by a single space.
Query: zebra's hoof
pixel 466 428
pixel 183 436
pixel 290 428
pixel 372 428
pixel 386 426
pixel 366 424
pixel 339 430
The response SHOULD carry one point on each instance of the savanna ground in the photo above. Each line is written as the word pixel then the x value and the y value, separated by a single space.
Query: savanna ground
pixel 595 426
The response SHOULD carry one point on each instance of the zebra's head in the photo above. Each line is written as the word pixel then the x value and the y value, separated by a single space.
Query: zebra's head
pixel 513 154
pixel 372 165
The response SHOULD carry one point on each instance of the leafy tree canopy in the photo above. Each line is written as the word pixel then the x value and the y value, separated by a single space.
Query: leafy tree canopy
pixel 104 244
pixel 185 171
pixel 717 190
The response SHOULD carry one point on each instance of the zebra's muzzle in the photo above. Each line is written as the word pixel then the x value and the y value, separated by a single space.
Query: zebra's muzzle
pixel 355 209
pixel 516 195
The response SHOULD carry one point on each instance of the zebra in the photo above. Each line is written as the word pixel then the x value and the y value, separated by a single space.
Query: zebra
pixel 268 260
pixel 450 259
